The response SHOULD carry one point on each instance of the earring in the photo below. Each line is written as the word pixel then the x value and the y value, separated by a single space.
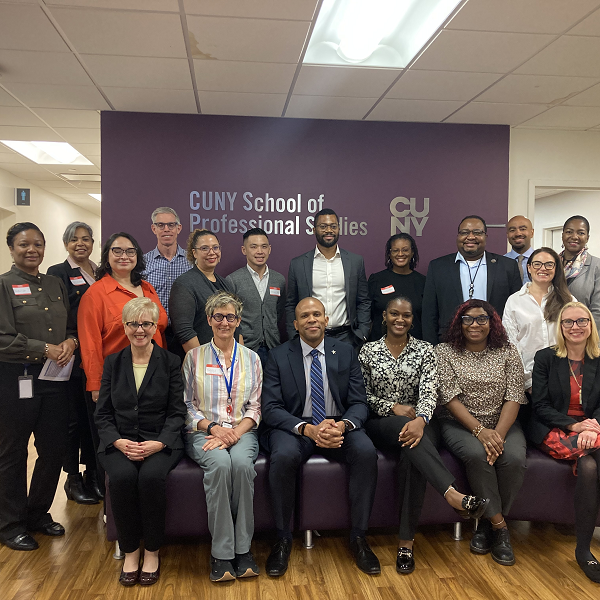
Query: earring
pixel 383 322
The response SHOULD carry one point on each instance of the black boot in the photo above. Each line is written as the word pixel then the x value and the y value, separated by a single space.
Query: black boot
pixel 76 491
pixel 90 479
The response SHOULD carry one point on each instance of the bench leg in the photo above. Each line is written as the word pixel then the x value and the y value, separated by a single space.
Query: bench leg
pixel 118 555
pixel 457 534
pixel 308 539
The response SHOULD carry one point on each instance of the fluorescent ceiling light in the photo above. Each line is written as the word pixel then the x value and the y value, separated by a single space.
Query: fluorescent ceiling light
pixel 80 177
pixel 375 33
pixel 96 197
pixel 48 153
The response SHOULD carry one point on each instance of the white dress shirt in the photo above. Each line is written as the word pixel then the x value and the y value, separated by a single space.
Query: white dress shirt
pixel 260 283
pixel 478 271
pixel 329 286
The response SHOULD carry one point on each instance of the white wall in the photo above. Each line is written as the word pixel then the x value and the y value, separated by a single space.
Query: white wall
pixel 49 212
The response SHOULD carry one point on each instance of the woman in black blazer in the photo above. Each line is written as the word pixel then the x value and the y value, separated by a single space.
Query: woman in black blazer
pixel 77 273
pixel 566 409
pixel 140 415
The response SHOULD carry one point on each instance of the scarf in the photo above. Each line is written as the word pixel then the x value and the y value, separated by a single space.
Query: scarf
pixel 573 267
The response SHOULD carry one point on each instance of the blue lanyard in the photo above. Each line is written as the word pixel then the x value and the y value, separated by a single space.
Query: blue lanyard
pixel 228 384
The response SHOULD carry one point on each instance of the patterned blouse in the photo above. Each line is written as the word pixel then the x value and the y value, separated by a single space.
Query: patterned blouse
pixel 409 379
pixel 482 381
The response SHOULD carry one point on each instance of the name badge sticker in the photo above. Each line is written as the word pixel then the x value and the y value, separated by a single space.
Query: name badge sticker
pixel 77 280
pixel 388 290
pixel 273 291
pixel 213 370
pixel 22 289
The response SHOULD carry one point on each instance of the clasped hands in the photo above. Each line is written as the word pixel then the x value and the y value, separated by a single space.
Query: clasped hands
pixel 412 432
pixel 62 353
pixel 588 431
pixel 221 438
pixel 493 444
pixel 137 451
pixel 327 434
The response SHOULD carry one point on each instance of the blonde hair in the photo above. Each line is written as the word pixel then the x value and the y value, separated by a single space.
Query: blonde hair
pixel 135 308
pixel 593 341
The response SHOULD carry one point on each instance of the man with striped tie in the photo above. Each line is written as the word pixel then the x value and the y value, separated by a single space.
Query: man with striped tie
pixel 314 400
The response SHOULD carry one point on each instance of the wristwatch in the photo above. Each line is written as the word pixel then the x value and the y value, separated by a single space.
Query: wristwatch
pixel 349 425
pixel 210 426
pixel 424 417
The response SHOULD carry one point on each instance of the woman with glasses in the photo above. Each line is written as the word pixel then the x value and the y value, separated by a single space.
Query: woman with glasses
pixel 566 410
pixel 399 278
pixel 140 415
pixel 191 290
pixel 582 270
pixel 530 315
pixel 223 382
pixel 481 389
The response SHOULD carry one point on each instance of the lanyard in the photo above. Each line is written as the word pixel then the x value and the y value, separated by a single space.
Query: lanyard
pixel 472 279
pixel 228 384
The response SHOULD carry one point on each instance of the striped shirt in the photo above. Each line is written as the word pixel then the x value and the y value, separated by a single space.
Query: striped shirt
pixel 206 391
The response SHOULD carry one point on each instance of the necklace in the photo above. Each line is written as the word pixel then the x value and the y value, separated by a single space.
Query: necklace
pixel 401 345
pixel 575 378
pixel 472 279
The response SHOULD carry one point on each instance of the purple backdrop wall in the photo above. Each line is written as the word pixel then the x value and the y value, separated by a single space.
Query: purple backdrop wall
pixel 216 171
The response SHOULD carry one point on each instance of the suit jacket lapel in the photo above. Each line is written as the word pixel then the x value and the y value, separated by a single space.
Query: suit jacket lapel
pixel 308 271
pixel 128 365
pixel 589 377
pixel 332 367
pixel 492 269
pixel 564 375
pixel 457 284
pixel 347 271
pixel 297 365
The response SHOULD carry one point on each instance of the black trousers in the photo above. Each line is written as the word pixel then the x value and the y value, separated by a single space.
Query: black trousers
pixel 46 417
pixel 288 451
pixel 416 467
pixel 91 409
pixel 138 496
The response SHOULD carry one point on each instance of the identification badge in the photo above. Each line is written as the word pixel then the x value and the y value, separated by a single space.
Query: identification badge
pixel 77 280
pixel 25 387
pixel 275 291
pixel 213 370
pixel 22 289
pixel 226 425
pixel 388 290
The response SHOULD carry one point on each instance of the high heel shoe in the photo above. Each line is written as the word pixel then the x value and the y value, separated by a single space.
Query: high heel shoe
pixel 90 479
pixel 76 491
pixel 473 507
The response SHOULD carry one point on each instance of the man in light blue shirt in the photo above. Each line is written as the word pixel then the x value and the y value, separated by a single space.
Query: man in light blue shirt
pixel 519 232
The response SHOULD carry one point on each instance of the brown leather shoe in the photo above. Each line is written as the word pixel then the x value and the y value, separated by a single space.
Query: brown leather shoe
pixel 129 579
pixel 150 578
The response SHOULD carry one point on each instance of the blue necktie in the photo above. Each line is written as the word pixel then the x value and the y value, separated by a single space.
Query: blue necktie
pixel 317 395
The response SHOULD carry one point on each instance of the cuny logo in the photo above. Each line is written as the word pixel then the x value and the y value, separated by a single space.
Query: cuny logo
pixel 407 216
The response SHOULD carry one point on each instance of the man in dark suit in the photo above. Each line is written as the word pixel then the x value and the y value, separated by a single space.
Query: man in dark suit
pixel 314 398
pixel 337 278
pixel 470 273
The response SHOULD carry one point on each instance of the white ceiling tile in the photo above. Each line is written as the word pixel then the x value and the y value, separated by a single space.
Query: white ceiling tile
pixel 57 68
pixel 481 52
pixel 58 96
pixel 424 111
pixel 54 183
pixel 590 26
pixel 317 80
pixel 28 134
pixel 31 169
pixel 14 115
pixel 6 99
pixel 74 169
pixel 234 76
pixel 590 97
pixel 264 9
pixel 123 33
pixel 258 105
pixel 79 136
pixel 525 16
pixel 441 85
pixel 135 71
pixel 535 89
pixel 147 5
pixel 582 117
pixel 26 27
pixel 571 56
pixel 12 158
pixel 257 40
pixel 324 107
pixel 495 114
pixel 56 117
pixel 151 100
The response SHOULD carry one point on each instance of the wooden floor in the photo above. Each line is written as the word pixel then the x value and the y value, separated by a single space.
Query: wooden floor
pixel 79 566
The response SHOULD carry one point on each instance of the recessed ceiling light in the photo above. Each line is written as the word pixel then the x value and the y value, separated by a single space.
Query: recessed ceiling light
pixel 96 197
pixel 80 177
pixel 375 33
pixel 48 153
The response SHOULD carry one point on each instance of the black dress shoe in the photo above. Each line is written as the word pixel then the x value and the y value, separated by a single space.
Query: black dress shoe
pixel 502 551
pixel 405 561
pixel 130 578
pixel 90 481
pixel 53 529
pixel 147 578
pixel 591 569
pixel 77 492
pixel 473 507
pixel 481 542
pixel 364 557
pixel 277 562
pixel 22 541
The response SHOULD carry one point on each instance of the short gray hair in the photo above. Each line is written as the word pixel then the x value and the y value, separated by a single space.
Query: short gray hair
pixel 162 210
pixel 221 299
pixel 72 228
pixel 135 308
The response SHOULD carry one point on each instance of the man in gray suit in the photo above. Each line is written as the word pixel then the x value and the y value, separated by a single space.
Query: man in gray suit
pixel 262 291
pixel 337 278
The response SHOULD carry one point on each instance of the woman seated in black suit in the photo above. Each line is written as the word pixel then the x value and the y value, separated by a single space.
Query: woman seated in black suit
pixel 566 409
pixel 400 378
pixel 139 416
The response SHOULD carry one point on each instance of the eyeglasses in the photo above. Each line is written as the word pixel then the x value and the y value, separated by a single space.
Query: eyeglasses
pixel 475 232
pixel 324 227
pixel 161 226
pixel 218 317
pixel 403 251
pixel 469 320
pixel 581 322
pixel 131 252
pixel 146 325
pixel 207 249
pixel 537 265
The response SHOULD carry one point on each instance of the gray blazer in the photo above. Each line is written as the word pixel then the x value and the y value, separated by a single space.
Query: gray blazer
pixel 300 280
pixel 260 318
pixel 586 286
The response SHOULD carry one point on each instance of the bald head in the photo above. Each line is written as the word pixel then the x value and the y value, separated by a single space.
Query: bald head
pixel 310 322
pixel 519 232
